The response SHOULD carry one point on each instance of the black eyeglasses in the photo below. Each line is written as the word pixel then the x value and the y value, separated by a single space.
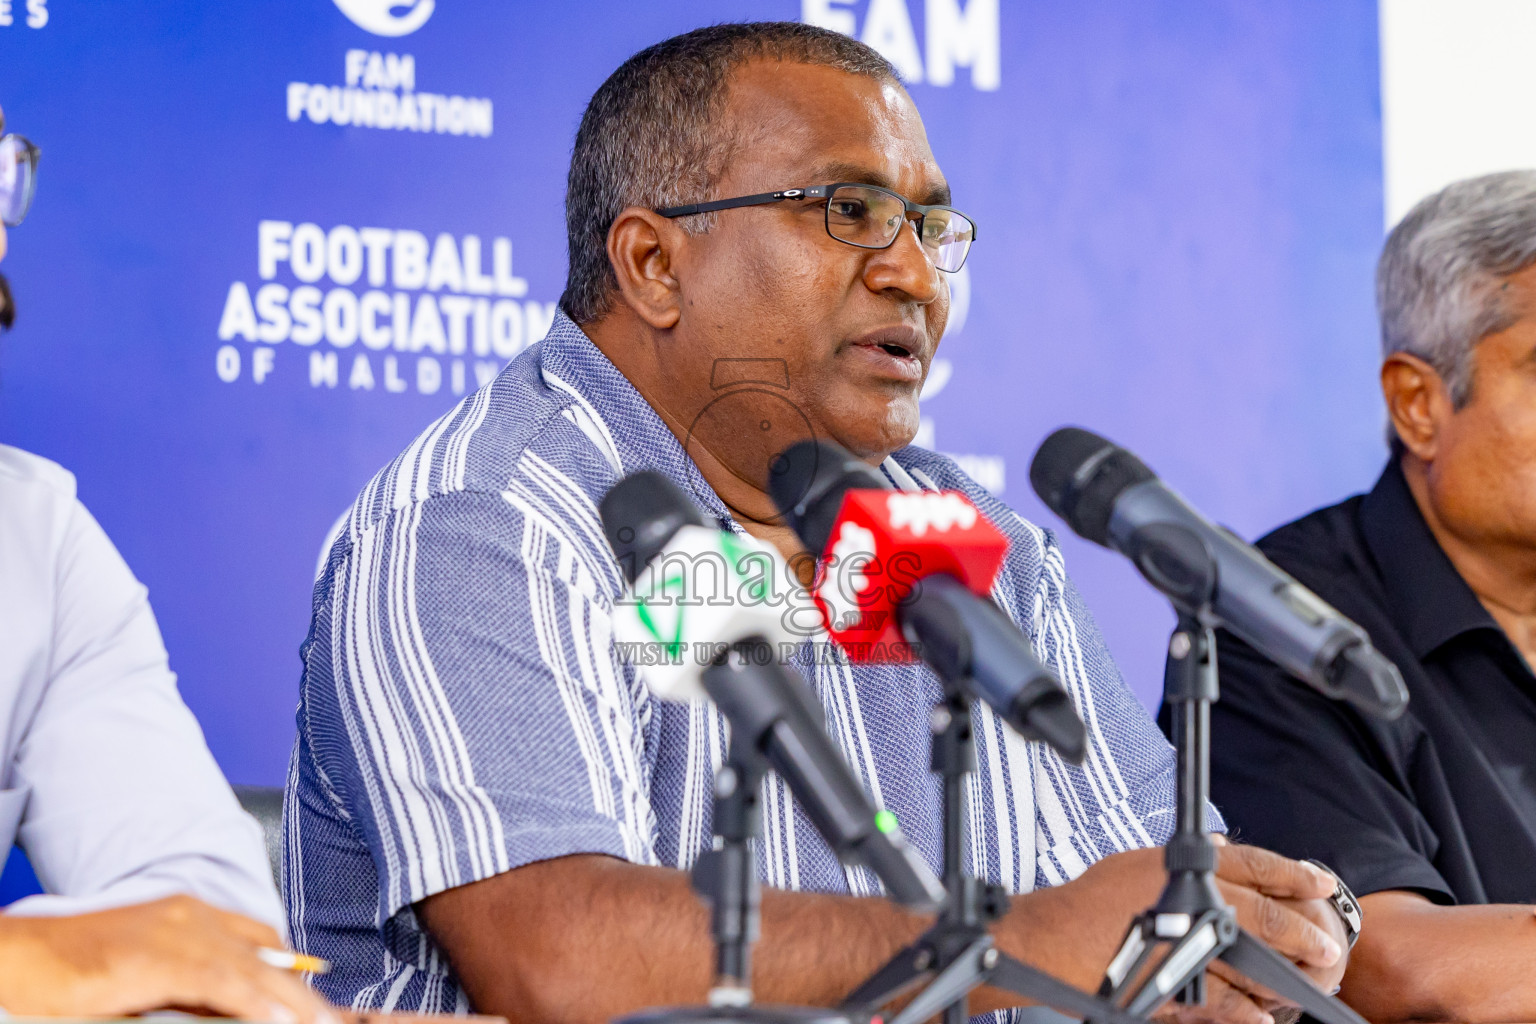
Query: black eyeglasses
pixel 869 217
pixel 18 176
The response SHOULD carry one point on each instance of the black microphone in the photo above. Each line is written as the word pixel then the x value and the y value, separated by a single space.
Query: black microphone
pixel 1109 496
pixel 648 518
pixel 965 638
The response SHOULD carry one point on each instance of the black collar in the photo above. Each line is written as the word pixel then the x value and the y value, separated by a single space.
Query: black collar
pixel 1429 599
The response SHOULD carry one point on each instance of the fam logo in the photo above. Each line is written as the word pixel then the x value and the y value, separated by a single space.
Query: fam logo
pixel 957 34
pixel 380 17
pixel 36 12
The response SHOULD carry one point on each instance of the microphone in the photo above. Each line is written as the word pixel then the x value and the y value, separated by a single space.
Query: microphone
pixel 907 575
pixel 1109 496
pixel 724 646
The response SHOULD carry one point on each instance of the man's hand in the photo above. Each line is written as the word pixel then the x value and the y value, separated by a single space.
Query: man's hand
pixel 1074 929
pixel 1276 899
pixel 177 953
pixel 582 939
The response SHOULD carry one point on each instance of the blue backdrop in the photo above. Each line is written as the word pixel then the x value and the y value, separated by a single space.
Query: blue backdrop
pixel 1180 207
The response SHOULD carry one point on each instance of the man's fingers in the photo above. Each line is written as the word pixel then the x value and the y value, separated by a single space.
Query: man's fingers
pixel 1224 1004
pixel 207 983
pixel 253 991
pixel 1252 989
pixel 1232 1006
pixel 289 993
pixel 1273 874
pixel 211 962
pixel 266 993
pixel 1283 929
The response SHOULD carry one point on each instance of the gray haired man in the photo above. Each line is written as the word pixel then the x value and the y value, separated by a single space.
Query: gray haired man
pixel 1431 819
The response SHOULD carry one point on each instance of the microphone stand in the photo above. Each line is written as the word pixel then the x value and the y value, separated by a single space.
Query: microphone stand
pixel 957 952
pixel 1190 917
pixel 726 878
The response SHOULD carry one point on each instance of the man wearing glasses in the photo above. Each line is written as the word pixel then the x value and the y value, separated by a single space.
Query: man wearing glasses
pixel 104 776
pixel 486 807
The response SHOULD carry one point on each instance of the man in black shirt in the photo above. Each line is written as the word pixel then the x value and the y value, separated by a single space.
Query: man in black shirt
pixel 1430 819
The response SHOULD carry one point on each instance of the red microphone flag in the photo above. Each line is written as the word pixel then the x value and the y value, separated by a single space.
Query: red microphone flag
pixel 881 546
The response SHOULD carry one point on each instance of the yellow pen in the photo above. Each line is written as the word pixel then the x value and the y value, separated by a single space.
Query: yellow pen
pixel 288 960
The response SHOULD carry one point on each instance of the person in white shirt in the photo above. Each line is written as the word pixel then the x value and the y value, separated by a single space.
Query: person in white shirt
pixel 158 891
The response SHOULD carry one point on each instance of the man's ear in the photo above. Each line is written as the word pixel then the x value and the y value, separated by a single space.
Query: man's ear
pixel 642 249
pixel 1417 401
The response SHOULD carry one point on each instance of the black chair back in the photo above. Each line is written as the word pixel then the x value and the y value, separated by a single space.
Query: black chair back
pixel 265 804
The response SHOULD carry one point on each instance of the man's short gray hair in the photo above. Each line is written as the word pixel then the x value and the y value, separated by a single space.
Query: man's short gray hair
pixel 1439 285
pixel 649 136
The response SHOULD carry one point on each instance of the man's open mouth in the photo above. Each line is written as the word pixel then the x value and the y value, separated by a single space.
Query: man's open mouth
pixel 893 352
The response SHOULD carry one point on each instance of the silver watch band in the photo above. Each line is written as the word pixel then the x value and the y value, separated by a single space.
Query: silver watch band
pixel 1344 902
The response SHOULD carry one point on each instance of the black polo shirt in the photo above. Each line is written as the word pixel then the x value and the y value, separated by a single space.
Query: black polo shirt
pixel 1441 801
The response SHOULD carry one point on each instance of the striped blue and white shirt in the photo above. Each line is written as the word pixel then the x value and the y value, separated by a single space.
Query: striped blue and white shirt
pixel 464 710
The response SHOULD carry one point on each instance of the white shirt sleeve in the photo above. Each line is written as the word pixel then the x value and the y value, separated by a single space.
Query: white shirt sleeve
pixel 124 800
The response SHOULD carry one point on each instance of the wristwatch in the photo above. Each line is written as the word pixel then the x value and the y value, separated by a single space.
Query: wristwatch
pixel 1344 902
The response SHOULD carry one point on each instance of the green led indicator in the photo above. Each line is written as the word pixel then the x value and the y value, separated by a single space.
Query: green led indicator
pixel 886 822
